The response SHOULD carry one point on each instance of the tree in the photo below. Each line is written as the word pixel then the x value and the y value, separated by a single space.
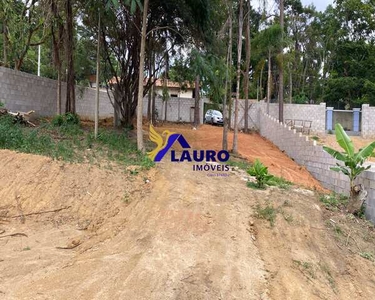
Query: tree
pixel 140 79
pixel 247 65
pixel 69 51
pixel 239 52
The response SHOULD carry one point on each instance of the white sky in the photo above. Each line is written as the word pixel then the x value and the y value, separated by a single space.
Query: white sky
pixel 319 4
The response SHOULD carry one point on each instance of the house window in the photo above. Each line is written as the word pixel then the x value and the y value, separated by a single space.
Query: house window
pixel 174 95
pixel 193 96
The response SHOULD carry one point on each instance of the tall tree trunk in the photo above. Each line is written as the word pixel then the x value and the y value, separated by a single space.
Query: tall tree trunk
pixel 239 52
pixel 290 84
pixel 269 82
pixel 230 65
pixel 196 106
pixel 150 91
pixel 247 67
pixel 59 90
pixel 226 121
pixel 281 74
pixel 5 43
pixel 70 84
pixel 97 83
pixel 261 82
pixel 140 79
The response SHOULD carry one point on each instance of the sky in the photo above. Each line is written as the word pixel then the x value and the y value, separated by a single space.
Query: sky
pixel 319 4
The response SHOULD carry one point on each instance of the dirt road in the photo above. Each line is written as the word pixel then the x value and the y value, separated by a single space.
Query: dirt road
pixel 168 233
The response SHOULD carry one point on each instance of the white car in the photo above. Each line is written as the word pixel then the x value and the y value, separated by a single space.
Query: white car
pixel 213 117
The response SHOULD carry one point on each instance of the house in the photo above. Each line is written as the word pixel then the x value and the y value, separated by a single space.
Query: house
pixel 175 89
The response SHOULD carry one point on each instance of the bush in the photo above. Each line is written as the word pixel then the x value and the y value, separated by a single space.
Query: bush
pixel 260 172
pixel 67 119
pixel 2 104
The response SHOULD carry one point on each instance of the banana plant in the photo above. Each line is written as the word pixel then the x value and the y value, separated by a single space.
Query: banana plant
pixel 260 172
pixel 352 162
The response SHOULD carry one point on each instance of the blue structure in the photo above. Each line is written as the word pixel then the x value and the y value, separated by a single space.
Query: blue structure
pixel 356 118
pixel 329 118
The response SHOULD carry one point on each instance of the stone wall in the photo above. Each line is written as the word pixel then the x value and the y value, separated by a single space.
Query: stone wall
pixel 307 153
pixel 24 92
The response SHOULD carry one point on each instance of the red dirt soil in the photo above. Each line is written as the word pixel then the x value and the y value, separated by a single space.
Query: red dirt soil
pixel 250 146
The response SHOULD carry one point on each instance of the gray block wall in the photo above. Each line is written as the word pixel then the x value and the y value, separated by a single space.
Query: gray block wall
pixel 24 92
pixel 307 153
pixel 309 112
pixel 368 121
pixel 178 109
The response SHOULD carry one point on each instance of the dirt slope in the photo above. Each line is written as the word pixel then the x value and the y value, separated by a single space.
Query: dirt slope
pixel 251 147
pixel 183 235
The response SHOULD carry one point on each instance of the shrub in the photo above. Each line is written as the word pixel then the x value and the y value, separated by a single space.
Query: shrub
pixel 260 172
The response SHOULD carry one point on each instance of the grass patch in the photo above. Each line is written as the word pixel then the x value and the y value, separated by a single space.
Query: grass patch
pixel 367 255
pixel 305 267
pixel 315 138
pixel 65 139
pixel 334 201
pixel 241 164
pixel 267 213
pixel 280 182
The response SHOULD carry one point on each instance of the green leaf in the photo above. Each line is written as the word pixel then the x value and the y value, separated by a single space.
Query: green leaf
pixel 366 152
pixel 336 169
pixel 336 154
pixel 133 7
pixel 344 140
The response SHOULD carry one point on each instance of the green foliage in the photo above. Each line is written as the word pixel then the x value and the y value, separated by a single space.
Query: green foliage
pixel 353 162
pixel 367 255
pixel 1 104
pixel 334 201
pixel 280 182
pixel 241 164
pixel 69 142
pixel 260 172
pixel 267 213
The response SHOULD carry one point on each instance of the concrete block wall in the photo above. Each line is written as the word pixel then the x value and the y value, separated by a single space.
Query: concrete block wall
pixel 24 92
pixel 309 112
pixel 178 109
pixel 307 153
pixel 368 121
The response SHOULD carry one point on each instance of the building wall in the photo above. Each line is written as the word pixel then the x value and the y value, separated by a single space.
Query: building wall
pixel 368 121
pixel 178 109
pixel 24 92
pixel 307 153
pixel 175 91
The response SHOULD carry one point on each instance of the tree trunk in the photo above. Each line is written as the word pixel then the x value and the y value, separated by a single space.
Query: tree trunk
pixel 357 197
pixel 247 67
pixel 5 43
pixel 269 82
pixel 230 65
pixel 140 79
pixel 226 120
pixel 239 52
pixel 70 84
pixel 290 85
pixel 97 83
pixel 59 90
pixel 261 82
pixel 149 92
pixel 196 106
pixel 281 74
pixel 153 116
